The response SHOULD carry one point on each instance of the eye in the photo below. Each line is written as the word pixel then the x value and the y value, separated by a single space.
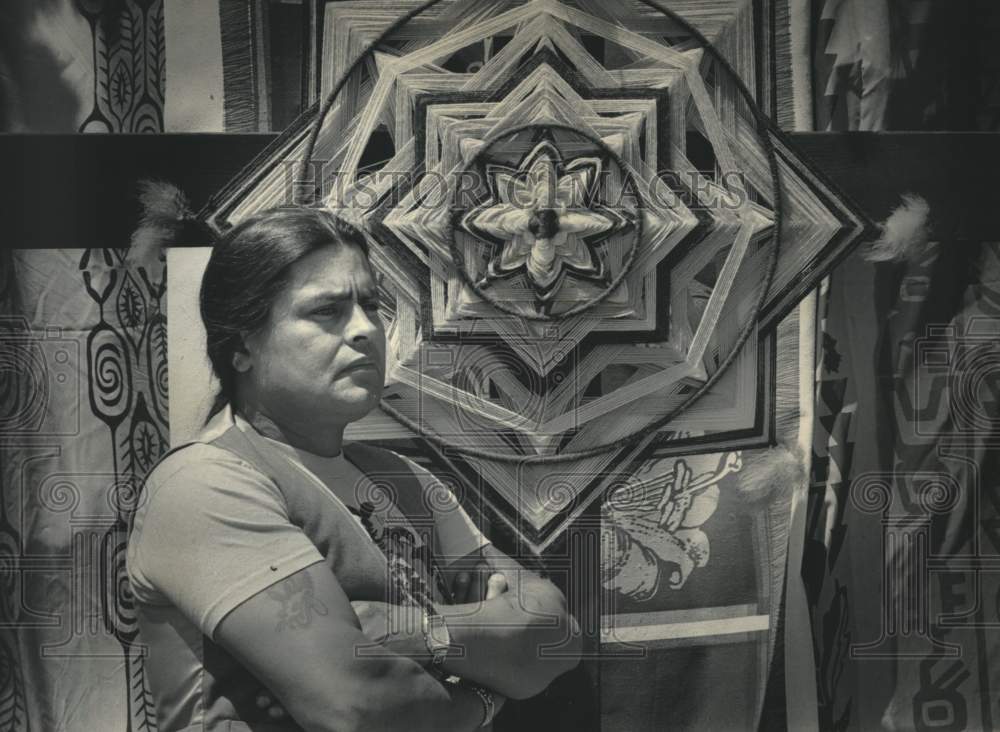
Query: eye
pixel 328 311
pixel 372 306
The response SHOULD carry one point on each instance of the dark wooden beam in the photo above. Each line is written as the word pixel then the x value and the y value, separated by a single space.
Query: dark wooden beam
pixel 955 172
pixel 79 190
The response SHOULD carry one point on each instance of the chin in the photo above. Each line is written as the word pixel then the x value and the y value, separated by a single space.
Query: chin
pixel 355 407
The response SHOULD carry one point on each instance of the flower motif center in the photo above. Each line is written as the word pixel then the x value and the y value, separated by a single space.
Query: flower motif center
pixel 544 223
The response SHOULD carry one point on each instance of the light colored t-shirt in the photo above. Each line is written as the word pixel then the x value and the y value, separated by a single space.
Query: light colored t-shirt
pixel 224 518
pixel 456 533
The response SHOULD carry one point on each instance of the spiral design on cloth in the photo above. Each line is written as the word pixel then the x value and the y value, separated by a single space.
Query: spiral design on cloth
pixel 110 374
pixel 118 602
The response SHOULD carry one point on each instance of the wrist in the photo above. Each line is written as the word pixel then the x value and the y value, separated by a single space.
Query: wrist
pixel 403 635
pixel 437 637
pixel 491 703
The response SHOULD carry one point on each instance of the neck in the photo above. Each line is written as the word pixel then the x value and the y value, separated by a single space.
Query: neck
pixel 320 439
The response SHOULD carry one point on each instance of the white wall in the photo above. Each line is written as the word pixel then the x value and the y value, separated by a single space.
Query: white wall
pixel 195 89
pixel 192 386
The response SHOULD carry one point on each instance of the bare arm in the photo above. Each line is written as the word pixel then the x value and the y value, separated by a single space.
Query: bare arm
pixel 516 643
pixel 519 642
pixel 300 639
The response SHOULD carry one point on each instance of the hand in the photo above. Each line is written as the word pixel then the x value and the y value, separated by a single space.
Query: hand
pixel 274 710
pixel 475 585
pixel 496 585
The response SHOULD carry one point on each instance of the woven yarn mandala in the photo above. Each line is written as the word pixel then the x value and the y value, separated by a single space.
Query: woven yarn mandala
pixel 585 229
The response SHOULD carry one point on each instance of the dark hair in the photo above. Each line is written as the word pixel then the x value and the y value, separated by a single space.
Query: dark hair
pixel 249 268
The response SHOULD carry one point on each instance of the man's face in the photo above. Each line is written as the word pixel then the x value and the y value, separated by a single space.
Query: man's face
pixel 320 358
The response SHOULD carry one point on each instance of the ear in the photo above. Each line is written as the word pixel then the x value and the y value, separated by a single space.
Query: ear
pixel 241 361
pixel 241 358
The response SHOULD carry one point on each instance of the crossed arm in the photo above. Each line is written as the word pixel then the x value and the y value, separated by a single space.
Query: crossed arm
pixel 302 638
pixel 516 643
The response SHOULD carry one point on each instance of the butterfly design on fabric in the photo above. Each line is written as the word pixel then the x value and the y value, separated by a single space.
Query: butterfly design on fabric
pixel 651 530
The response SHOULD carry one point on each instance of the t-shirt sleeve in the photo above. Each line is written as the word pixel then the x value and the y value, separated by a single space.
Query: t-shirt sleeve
pixel 456 534
pixel 212 533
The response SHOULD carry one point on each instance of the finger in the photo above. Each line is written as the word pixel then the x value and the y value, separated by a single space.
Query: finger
pixel 483 571
pixel 480 583
pixel 461 588
pixel 263 701
pixel 276 712
pixel 496 586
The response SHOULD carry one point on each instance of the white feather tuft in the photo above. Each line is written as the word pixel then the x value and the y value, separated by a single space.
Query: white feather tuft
pixel 165 209
pixel 773 472
pixel 905 234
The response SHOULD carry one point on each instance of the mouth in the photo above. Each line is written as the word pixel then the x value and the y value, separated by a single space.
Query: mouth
pixel 359 367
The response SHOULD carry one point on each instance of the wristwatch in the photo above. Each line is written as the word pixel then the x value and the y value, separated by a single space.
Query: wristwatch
pixel 436 636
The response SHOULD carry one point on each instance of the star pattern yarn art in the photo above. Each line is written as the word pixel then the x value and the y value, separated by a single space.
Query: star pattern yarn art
pixel 585 229
pixel 543 219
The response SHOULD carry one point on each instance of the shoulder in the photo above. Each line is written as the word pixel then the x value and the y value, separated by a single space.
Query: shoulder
pixel 197 471
pixel 194 458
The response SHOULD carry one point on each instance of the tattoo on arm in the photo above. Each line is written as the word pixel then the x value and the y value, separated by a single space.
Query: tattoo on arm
pixel 297 598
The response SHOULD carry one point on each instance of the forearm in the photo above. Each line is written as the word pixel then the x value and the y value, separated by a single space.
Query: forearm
pixel 396 694
pixel 423 703
pixel 517 643
pixel 497 643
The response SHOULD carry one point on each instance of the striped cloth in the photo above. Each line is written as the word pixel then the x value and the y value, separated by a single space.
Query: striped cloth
pixel 903 511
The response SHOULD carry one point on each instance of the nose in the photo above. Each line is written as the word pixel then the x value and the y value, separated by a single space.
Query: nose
pixel 362 325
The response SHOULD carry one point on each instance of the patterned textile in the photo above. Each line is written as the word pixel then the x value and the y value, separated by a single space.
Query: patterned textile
pixel 86 66
pixel 896 65
pixel 844 444
pixel 84 413
pixel 904 471
pixel 131 57
pixel 902 513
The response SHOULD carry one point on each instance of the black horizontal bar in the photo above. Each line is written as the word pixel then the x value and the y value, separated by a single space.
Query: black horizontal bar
pixel 72 191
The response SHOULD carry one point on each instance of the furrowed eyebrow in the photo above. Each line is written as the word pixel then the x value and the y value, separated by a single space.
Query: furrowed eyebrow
pixel 322 298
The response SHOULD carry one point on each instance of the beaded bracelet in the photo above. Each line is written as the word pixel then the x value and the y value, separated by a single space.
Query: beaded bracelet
pixel 489 704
